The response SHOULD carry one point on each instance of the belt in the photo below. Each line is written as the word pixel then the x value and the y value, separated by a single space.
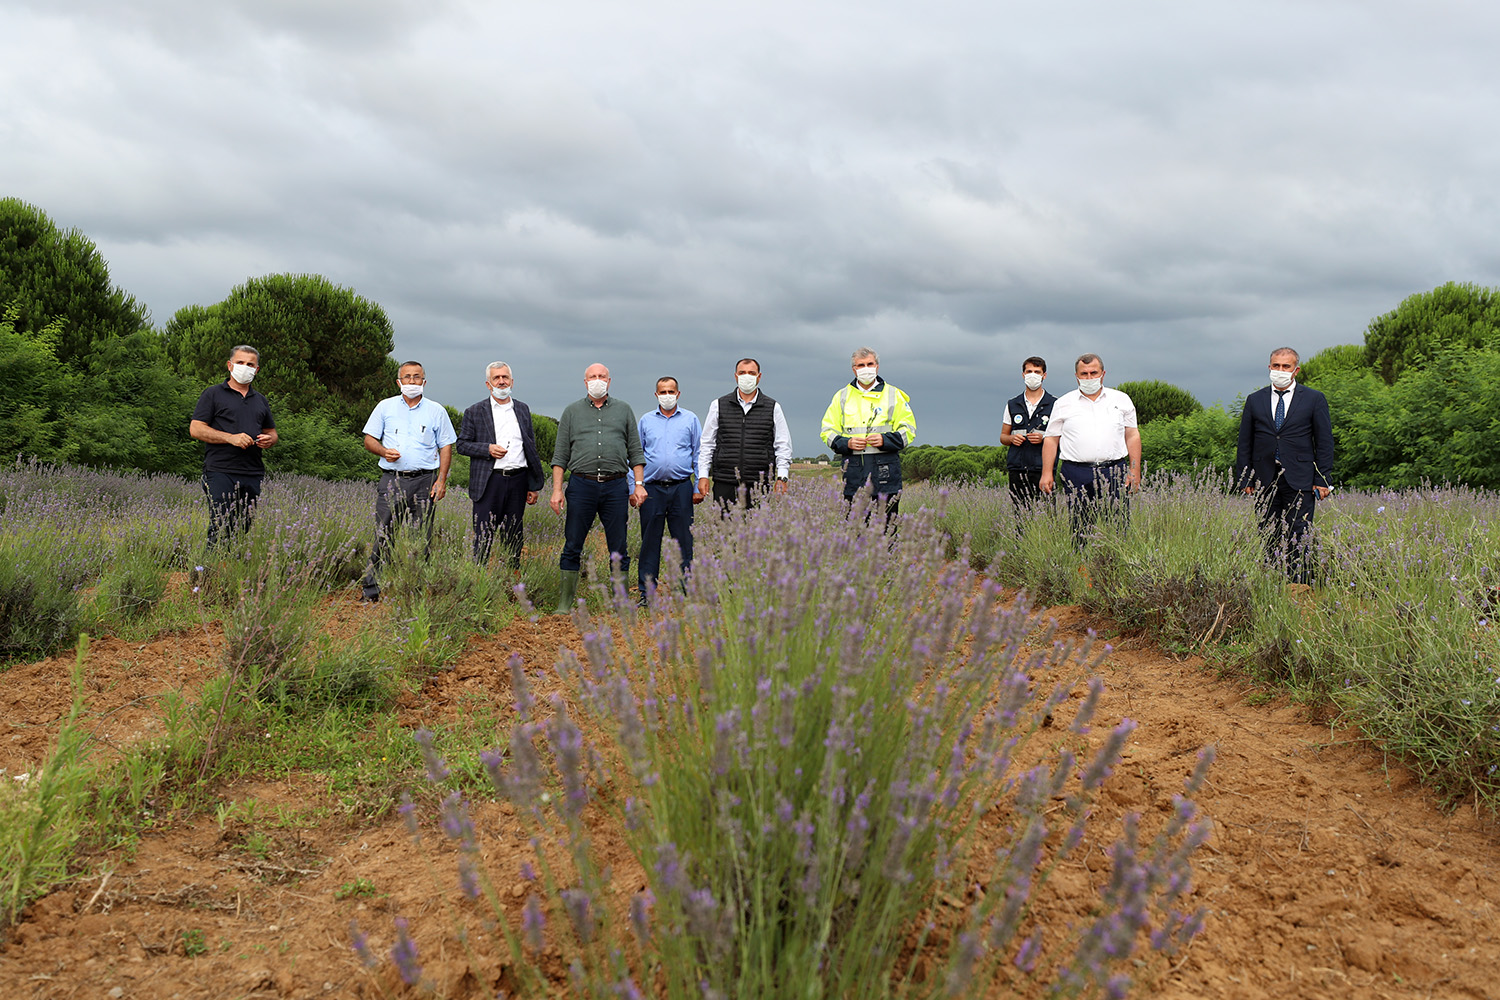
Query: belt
pixel 1098 465
pixel 667 482
pixel 414 473
pixel 600 479
pixel 520 471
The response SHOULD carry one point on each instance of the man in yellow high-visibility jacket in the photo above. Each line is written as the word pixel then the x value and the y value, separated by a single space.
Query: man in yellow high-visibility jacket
pixel 868 423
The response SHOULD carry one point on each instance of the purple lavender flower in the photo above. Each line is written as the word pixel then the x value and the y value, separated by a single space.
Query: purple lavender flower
pixel 437 771
pixel 408 812
pixel 532 923
pixel 579 906
pixel 641 905
pixel 404 954
pixel 361 944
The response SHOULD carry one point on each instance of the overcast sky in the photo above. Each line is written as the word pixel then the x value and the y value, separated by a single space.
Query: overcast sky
pixel 668 186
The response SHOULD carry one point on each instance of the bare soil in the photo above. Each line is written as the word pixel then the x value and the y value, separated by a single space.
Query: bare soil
pixel 1331 872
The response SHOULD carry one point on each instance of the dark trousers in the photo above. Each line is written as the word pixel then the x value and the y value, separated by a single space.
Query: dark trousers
pixel 588 499
pixel 231 504
pixel 498 513
pixel 1285 518
pixel 1092 490
pixel 399 499
pixel 892 505
pixel 1025 494
pixel 668 508
pixel 729 493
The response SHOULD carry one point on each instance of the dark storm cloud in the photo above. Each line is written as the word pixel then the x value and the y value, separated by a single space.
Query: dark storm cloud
pixel 659 185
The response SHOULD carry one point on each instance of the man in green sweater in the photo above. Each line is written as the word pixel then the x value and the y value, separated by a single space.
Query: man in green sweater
pixel 597 443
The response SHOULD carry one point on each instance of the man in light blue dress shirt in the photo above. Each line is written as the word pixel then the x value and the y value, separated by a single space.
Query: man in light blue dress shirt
pixel 670 437
pixel 413 437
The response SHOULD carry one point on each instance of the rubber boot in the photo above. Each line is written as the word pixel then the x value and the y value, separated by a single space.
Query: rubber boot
pixel 567 591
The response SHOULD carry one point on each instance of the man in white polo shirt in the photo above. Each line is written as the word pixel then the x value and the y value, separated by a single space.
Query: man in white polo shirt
pixel 1093 431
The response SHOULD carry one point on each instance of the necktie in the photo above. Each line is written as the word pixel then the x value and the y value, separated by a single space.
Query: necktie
pixel 1280 418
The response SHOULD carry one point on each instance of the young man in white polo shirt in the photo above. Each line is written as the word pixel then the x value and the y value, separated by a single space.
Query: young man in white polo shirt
pixel 1093 431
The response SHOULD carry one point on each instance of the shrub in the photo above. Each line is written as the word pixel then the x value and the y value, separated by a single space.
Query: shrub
pixel 958 467
pixel 1158 400
pixel 805 765
pixel 39 612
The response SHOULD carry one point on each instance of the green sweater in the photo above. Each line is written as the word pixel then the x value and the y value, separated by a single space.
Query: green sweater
pixel 598 440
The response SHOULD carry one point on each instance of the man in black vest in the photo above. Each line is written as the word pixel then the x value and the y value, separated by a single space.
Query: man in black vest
pixel 1285 460
pixel 747 444
pixel 1026 417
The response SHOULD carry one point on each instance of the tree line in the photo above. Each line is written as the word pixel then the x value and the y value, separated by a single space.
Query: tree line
pixel 90 380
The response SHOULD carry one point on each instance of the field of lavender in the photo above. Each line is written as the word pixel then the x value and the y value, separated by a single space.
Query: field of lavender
pixel 800 742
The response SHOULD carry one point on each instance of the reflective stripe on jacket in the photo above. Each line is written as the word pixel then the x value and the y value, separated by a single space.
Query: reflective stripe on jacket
pixel 881 409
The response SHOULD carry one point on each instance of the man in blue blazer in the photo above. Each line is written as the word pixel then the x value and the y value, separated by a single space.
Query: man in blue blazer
pixel 505 471
pixel 1285 460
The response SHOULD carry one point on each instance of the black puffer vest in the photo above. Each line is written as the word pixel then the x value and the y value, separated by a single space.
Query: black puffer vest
pixel 744 448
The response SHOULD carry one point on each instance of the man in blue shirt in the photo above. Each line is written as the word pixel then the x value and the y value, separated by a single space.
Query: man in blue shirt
pixel 670 437
pixel 413 436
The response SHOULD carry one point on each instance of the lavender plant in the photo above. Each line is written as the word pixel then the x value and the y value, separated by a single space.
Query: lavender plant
pixel 809 738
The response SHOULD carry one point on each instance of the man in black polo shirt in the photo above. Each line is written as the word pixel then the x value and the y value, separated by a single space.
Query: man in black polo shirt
pixel 235 422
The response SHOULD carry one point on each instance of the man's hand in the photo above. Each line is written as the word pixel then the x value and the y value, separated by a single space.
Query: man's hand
pixel 1035 437
pixel 702 488
pixel 1249 491
pixel 1133 479
pixel 857 443
pixel 874 440
pixel 390 455
pixel 639 496
pixel 698 497
pixel 497 451
pixel 1323 491
pixel 1045 483
pixel 556 503
pixel 241 440
pixel 439 488
pixel 265 439
pixel 531 496
pixel 781 487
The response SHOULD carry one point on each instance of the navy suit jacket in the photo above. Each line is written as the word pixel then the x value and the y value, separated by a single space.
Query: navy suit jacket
pixel 477 433
pixel 1305 438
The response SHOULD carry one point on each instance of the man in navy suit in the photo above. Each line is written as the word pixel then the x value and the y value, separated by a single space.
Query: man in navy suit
pixel 1285 460
pixel 505 471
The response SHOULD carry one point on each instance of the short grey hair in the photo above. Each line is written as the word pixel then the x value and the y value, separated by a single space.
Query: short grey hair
pixel 864 352
pixel 1286 350
pixel 243 347
pixel 494 365
pixel 1084 359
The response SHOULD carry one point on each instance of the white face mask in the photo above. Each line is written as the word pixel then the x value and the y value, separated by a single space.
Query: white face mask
pixel 747 382
pixel 1089 386
pixel 502 394
pixel 410 391
pixel 865 375
pixel 243 374
pixel 1281 379
pixel 667 400
pixel 598 387
pixel 1033 380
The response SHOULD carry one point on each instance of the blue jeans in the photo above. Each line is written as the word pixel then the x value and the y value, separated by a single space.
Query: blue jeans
pixel 587 499
pixel 670 508
pixel 1091 490
pixel 231 504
